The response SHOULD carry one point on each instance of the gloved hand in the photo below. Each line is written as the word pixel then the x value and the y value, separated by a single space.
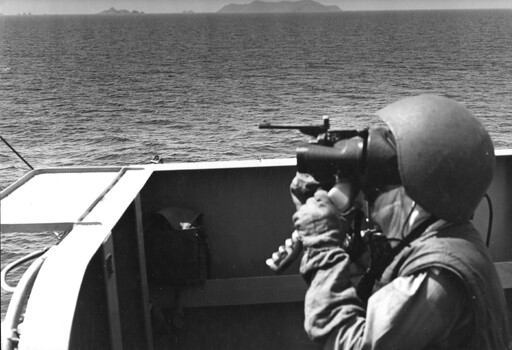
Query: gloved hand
pixel 303 186
pixel 343 195
pixel 318 225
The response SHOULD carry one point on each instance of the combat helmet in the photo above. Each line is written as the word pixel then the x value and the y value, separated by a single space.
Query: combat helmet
pixel 445 155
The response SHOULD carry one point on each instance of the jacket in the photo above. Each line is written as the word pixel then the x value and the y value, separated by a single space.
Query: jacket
pixel 440 292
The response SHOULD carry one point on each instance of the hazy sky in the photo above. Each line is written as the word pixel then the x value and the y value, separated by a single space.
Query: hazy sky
pixel 12 7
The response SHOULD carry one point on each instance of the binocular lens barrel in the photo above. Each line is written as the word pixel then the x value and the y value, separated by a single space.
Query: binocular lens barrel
pixel 345 159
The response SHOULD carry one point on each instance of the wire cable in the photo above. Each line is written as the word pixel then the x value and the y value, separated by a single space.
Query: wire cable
pixel 489 225
pixel 15 152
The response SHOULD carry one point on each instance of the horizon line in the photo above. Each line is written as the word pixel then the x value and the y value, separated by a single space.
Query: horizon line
pixel 191 12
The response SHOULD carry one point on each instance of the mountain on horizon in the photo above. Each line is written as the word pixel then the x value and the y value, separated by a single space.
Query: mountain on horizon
pixel 113 11
pixel 258 6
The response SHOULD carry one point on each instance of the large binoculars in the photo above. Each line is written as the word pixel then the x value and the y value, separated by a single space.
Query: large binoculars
pixel 367 157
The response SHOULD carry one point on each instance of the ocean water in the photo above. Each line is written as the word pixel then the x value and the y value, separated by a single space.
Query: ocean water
pixel 115 90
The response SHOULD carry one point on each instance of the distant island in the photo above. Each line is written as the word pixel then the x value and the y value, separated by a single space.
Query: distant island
pixel 258 6
pixel 113 11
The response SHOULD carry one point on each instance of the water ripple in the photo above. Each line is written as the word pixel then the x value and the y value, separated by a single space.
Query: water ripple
pixel 92 90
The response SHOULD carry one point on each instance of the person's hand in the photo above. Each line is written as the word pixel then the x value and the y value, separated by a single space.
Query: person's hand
pixel 303 186
pixel 343 195
pixel 317 224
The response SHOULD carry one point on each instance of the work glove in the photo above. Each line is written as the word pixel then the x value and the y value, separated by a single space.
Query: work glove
pixel 302 187
pixel 317 224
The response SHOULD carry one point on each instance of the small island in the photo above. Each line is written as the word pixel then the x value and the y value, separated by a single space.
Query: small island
pixel 301 6
pixel 113 11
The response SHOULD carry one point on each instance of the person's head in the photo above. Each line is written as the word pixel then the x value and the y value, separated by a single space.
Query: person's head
pixel 444 156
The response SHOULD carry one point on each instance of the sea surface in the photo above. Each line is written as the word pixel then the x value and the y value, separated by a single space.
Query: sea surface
pixel 116 90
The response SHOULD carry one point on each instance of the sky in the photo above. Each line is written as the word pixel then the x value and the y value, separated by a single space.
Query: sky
pixel 39 7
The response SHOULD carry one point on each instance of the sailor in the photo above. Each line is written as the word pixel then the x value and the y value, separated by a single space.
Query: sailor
pixel 436 288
